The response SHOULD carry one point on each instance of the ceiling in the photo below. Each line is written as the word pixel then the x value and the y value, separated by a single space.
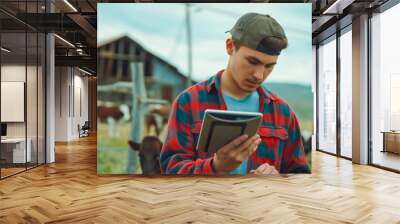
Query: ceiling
pixel 76 21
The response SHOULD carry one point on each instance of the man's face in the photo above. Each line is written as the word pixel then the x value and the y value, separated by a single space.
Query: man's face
pixel 249 67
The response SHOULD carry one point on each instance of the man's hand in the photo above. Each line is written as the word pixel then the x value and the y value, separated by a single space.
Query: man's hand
pixel 265 169
pixel 232 154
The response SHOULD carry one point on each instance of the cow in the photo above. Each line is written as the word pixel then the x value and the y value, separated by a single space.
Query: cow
pixel 105 112
pixel 112 115
pixel 149 154
pixel 157 118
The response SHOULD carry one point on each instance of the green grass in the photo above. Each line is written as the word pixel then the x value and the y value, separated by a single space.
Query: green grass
pixel 118 141
pixel 113 152
pixel 300 99
pixel 112 160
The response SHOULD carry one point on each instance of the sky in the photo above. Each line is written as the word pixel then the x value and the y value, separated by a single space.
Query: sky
pixel 160 28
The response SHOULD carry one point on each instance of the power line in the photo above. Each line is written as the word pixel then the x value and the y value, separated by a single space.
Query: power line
pixel 189 43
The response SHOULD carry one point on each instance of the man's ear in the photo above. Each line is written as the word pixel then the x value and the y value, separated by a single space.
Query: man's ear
pixel 229 46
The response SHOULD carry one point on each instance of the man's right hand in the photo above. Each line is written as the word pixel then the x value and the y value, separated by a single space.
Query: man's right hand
pixel 232 154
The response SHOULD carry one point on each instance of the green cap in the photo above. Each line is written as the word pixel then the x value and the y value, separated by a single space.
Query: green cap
pixel 252 28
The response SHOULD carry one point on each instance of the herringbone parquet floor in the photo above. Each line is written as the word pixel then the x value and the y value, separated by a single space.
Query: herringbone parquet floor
pixel 69 191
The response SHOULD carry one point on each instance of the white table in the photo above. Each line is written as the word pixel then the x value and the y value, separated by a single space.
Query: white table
pixel 18 145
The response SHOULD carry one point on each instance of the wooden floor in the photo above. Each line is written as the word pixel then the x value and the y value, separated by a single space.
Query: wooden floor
pixel 10 171
pixel 69 191
pixel 387 159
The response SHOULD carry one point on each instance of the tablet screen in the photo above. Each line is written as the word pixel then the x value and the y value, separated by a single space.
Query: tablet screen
pixel 216 140
pixel 221 127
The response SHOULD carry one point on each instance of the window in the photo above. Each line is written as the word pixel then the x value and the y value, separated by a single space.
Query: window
pixel 346 94
pixel 22 63
pixel 385 89
pixel 327 96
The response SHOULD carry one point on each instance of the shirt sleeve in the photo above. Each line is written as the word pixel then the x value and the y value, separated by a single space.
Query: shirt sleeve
pixel 178 155
pixel 294 159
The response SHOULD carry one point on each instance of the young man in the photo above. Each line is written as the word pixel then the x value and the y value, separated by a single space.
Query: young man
pixel 253 50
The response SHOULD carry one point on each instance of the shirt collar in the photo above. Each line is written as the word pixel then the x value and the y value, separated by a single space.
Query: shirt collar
pixel 215 83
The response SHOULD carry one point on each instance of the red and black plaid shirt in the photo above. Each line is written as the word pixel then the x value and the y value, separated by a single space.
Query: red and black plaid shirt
pixel 281 144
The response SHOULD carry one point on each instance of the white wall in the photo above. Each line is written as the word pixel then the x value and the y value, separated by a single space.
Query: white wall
pixel 13 72
pixel 61 103
pixel 81 84
pixel 71 93
pixel 16 73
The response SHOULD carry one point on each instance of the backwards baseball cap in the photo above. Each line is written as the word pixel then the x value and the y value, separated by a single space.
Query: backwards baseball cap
pixel 252 29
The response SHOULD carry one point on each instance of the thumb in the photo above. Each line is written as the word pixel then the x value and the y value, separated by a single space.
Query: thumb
pixel 238 141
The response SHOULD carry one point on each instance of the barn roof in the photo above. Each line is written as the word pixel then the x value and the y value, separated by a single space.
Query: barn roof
pixel 127 38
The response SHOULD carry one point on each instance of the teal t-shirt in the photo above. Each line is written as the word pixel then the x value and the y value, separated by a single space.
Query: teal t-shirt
pixel 250 103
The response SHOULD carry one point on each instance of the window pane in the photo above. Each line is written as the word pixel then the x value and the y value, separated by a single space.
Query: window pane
pixel 327 96
pixel 14 151
pixel 385 89
pixel 346 94
pixel 31 97
pixel 41 99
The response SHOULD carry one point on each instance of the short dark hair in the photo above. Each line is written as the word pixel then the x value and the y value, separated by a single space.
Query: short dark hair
pixel 271 44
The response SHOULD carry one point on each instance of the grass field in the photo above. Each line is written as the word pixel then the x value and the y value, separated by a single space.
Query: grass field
pixel 113 151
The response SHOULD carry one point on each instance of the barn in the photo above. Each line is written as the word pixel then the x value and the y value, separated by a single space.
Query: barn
pixel 162 80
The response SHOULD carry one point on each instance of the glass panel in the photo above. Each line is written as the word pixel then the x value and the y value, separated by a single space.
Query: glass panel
pixel 346 94
pixel 385 89
pixel 41 99
pixel 327 96
pixel 31 97
pixel 22 78
pixel 13 85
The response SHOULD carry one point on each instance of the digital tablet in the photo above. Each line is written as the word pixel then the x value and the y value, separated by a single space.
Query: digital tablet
pixel 220 127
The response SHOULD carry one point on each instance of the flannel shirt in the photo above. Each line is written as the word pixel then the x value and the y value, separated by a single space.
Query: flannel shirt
pixel 281 144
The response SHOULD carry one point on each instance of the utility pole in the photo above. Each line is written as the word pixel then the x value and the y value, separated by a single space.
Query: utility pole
pixel 140 105
pixel 189 44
